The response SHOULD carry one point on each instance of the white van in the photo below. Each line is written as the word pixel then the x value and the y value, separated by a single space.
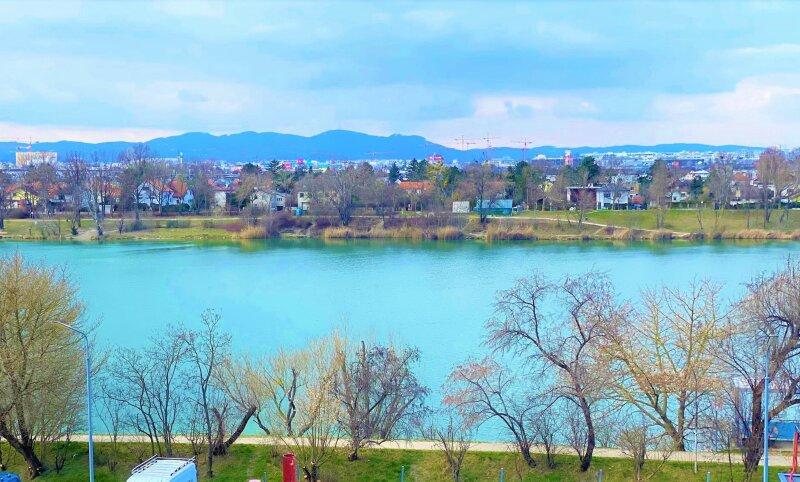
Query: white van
pixel 163 469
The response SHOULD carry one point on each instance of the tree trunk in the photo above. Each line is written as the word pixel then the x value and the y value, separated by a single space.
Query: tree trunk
pixel 35 466
pixel 753 444
pixel 586 461
pixel 222 448
pixel 525 450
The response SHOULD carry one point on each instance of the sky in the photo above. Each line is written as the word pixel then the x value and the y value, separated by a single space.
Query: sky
pixel 564 73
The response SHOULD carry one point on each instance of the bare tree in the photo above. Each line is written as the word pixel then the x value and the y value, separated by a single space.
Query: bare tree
pixel 37 355
pixel 137 169
pixel 567 342
pixel 484 186
pixel 317 410
pixel 113 416
pixel 341 190
pixel 452 433
pixel 767 316
pixel 76 176
pixel 206 349
pixel 662 354
pixel 40 182
pixel 6 191
pixel 379 392
pixel 161 177
pixel 547 428
pixel 484 390
pixel 772 169
pixel 100 186
pixel 720 186
pixel 152 383
pixel 637 441
pixel 658 191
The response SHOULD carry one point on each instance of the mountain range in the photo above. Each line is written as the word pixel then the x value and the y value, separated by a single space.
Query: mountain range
pixel 329 145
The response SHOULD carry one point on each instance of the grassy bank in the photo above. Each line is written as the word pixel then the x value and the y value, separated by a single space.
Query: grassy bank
pixel 246 462
pixel 530 225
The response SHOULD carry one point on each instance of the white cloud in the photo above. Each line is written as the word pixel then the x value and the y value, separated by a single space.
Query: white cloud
pixel 48 133
pixel 783 49
pixel 754 98
pixel 757 111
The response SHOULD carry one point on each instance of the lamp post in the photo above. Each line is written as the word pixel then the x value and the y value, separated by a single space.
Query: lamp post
pixel 765 475
pixel 88 392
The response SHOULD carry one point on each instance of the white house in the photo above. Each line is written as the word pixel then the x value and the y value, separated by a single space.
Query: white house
pixel 272 200
pixel 461 207
pixel 303 201
pixel 175 193
pixel 679 196
pixel 607 198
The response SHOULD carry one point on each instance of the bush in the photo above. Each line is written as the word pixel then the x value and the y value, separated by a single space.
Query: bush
pixel 252 232
pixel 337 233
pixel 20 213
pixel 208 224
pixel 234 227
pixel 178 223
pixel 323 222
pixel 449 233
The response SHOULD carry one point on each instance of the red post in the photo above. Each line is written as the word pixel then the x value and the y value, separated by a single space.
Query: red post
pixel 289 468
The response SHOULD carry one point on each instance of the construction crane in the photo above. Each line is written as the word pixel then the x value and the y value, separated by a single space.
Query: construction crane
pixel 525 143
pixel 464 142
pixel 489 140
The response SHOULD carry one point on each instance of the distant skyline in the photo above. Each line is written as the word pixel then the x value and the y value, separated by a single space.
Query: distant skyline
pixel 557 73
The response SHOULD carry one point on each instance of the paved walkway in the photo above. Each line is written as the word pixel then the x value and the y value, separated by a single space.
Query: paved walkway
pixel 776 458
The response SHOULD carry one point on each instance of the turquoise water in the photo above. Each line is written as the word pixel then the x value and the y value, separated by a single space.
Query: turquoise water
pixel 436 296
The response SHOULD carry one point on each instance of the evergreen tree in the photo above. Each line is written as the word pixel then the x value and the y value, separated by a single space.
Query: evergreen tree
pixel 394 173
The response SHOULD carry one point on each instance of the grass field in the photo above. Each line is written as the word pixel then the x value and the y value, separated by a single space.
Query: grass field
pixel 528 225
pixel 683 220
pixel 247 462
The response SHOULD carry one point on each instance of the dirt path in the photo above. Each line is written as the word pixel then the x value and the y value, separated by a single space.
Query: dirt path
pixel 601 225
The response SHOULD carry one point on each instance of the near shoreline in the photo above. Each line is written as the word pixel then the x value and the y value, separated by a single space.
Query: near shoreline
pixel 561 226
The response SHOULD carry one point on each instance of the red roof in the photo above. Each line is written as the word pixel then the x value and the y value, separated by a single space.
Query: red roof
pixel 414 185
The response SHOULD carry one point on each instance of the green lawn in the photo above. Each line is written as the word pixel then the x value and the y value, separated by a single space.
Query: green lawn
pixel 247 462
pixel 555 225
pixel 682 220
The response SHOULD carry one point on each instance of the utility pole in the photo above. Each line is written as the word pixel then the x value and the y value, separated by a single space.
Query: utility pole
pixel 765 475
pixel 89 398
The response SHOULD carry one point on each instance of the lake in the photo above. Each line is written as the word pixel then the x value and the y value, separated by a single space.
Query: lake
pixel 434 295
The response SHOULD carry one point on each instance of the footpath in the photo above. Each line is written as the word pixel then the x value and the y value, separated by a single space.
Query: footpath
pixel 777 459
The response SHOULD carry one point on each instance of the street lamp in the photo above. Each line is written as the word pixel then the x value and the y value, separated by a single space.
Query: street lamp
pixel 88 392
pixel 765 475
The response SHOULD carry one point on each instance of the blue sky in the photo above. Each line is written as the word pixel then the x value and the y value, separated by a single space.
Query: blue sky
pixel 564 73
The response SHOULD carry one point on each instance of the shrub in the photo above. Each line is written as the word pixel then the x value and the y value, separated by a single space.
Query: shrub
pixel 323 222
pixel 178 223
pixel 449 233
pixel 339 232
pixel 509 232
pixel 252 232
pixel 208 223
pixel 19 213
pixel 234 227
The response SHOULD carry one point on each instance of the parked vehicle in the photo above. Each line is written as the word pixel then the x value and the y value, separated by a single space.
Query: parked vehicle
pixel 164 469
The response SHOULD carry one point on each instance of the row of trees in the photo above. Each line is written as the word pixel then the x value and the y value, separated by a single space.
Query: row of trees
pixel 571 363
pixel 670 362
pixel 186 383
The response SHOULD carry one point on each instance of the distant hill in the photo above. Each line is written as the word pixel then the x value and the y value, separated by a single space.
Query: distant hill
pixel 330 145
